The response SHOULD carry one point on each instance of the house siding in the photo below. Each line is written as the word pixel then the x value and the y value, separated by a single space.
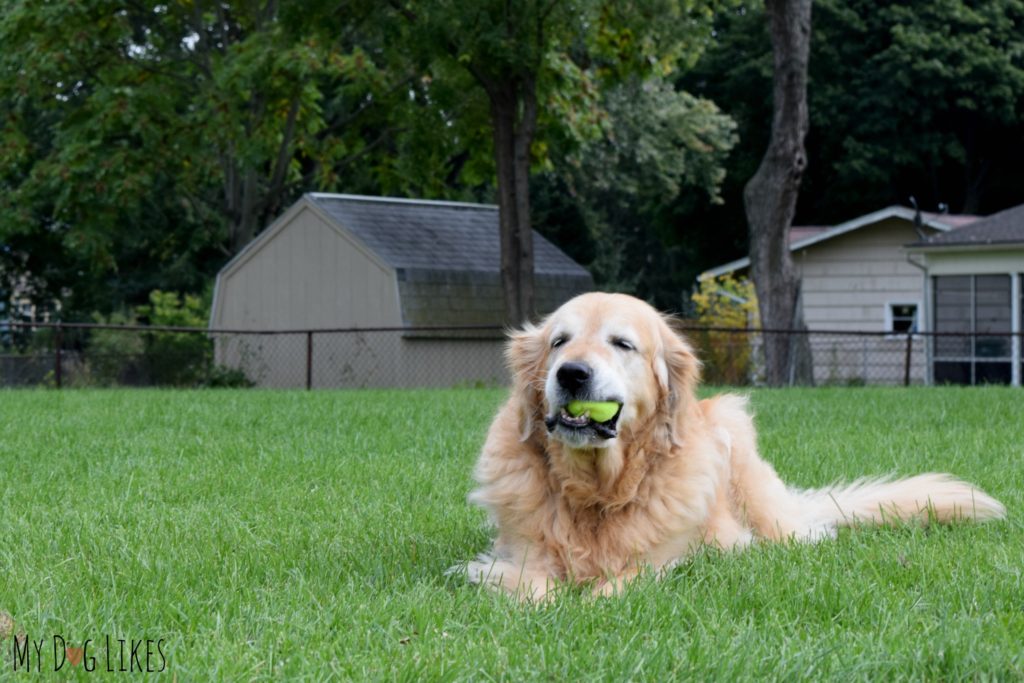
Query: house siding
pixel 356 360
pixel 848 281
pixel 852 273
pixel 968 262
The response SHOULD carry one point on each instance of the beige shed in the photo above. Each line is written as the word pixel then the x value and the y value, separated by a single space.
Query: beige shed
pixel 355 280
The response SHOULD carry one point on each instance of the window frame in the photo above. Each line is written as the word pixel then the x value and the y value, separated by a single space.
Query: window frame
pixel 889 318
pixel 973 360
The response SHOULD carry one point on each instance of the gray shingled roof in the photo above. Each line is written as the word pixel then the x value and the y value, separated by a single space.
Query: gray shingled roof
pixel 419 234
pixel 1005 227
pixel 447 257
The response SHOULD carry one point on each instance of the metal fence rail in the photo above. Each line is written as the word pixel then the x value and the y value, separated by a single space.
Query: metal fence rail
pixel 94 355
pixel 90 355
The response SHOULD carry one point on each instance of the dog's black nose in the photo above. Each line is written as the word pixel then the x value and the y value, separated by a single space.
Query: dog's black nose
pixel 573 376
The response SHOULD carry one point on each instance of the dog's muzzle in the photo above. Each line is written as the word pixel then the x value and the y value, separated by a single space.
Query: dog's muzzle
pixel 583 425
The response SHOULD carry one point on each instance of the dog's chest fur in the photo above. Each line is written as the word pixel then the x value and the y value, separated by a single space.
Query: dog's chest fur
pixel 606 517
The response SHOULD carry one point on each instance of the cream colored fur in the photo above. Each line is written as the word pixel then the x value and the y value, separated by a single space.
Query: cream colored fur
pixel 680 474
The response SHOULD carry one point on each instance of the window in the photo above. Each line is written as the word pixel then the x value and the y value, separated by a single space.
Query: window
pixel 992 314
pixel 973 320
pixel 902 318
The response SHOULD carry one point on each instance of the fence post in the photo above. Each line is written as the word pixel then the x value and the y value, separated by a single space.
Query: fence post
pixel 906 363
pixel 58 341
pixel 309 360
pixel 864 359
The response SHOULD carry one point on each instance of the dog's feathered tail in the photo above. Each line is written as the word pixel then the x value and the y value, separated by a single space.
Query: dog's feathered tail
pixel 777 511
pixel 925 498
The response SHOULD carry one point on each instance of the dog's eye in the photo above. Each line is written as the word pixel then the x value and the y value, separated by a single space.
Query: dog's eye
pixel 623 344
pixel 558 341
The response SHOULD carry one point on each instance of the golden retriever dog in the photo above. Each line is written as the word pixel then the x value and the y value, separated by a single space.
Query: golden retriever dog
pixel 580 501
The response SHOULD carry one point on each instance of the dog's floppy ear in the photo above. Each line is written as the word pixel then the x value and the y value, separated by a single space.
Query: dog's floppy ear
pixel 526 354
pixel 675 366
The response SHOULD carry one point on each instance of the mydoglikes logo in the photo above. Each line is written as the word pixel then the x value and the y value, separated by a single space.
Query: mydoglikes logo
pixel 55 652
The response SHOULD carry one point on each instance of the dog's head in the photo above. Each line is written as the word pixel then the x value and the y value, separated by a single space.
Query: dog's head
pixel 605 348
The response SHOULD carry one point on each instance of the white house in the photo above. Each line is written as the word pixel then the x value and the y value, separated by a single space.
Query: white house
pixel 19 306
pixel 856 276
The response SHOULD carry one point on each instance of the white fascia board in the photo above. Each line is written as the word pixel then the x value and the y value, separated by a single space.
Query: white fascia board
pixel 841 229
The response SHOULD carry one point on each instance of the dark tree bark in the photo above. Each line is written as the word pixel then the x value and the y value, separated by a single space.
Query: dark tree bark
pixel 514 119
pixel 770 196
pixel 976 165
pixel 508 74
pixel 250 200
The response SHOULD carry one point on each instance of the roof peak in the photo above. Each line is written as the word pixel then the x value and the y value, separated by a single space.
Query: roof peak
pixel 807 236
pixel 400 200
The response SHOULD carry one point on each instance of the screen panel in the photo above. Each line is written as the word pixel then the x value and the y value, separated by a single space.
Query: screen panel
pixel 953 314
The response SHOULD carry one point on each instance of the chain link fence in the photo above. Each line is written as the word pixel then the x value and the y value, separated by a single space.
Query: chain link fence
pixel 734 357
pixel 88 355
pixel 93 355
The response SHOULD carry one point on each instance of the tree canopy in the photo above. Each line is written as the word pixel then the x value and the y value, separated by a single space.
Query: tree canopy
pixel 544 68
pixel 143 142
pixel 922 99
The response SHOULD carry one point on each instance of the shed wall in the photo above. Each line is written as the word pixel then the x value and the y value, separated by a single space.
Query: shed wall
pixel 446 297
pixel 357 360
pixel 308 275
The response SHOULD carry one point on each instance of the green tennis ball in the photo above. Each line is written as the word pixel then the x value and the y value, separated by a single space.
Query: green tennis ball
pixel 600 411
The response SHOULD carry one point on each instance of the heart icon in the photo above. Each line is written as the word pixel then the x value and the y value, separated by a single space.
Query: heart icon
pixel 74 655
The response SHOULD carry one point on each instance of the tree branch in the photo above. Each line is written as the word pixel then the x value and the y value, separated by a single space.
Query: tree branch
pixel 366 104
pixel 284 157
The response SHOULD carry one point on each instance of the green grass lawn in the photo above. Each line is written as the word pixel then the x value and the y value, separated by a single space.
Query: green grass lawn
pixel 266 535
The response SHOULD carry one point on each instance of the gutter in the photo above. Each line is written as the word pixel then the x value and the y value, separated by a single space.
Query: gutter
pixel 929 380
pixel 963 246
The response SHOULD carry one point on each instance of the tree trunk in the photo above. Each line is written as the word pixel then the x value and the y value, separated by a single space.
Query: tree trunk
pixel 976 166
pixel 514 118
pixel 770 197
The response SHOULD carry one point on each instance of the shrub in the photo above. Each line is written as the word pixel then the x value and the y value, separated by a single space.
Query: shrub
pixel 726 302
pixel 119 357
pixel 222 377
pixel 176 358
pixel 114 356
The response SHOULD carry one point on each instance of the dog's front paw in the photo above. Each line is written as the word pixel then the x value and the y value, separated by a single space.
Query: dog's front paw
pixel 484 569
pixel 611 586
pixel 606 588
pixel 520 582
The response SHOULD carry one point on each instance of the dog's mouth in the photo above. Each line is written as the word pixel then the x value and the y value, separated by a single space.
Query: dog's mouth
pixel 583 425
